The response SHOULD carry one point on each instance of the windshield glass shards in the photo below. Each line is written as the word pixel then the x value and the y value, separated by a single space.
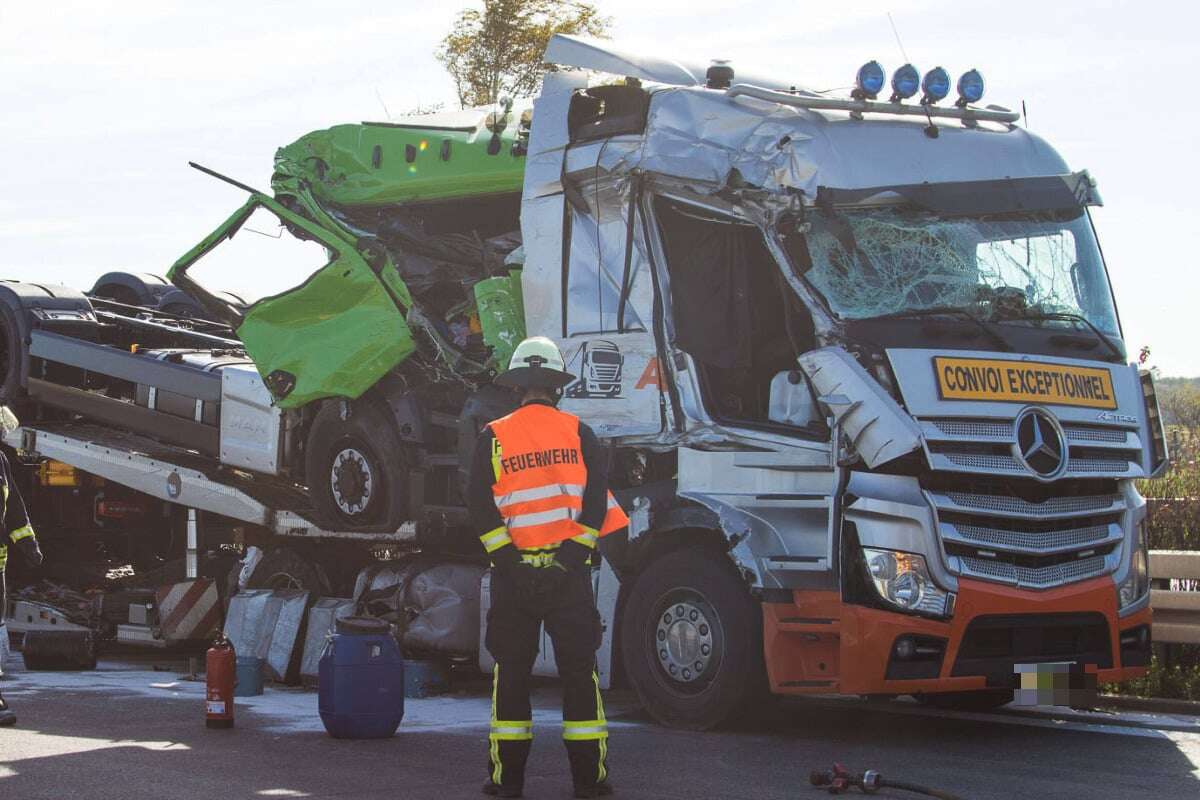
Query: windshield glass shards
pixel 895 261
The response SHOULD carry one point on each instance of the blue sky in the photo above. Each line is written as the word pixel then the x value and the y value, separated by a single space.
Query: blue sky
pixel 102 105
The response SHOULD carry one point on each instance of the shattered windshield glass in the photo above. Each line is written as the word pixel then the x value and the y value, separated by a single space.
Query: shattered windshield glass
pixel 893 260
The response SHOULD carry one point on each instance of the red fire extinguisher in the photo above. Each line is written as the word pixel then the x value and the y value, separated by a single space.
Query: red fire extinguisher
pixel 221 671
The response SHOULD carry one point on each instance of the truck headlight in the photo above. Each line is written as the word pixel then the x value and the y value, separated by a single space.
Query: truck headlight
pixel 1134 587
pixel 902 580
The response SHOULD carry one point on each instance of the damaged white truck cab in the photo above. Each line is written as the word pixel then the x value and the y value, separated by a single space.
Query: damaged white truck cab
pixel 858 362
pixel 874 418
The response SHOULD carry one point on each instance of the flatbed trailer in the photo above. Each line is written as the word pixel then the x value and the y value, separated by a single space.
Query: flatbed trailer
pixel 179 476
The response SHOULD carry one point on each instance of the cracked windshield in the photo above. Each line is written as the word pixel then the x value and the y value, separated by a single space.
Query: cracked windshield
pixel 894 261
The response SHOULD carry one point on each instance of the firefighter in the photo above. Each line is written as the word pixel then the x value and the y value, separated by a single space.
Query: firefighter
pixel 18 531
pixel 538 495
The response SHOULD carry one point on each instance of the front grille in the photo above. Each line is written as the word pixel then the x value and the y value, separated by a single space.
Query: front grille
pixel 974 429
pixel 983 462
pixel 994 644
pixel 994 526
pixel 1031 542
pixel 1033 577
pixel 1007 505
pixel 1003 430
pixel 1082 433
pixel 1088 466
pixel 605 373
pixel 989 533
pixel 984 446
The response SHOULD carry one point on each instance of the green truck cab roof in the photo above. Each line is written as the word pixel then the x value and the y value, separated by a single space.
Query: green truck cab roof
pixel 465 154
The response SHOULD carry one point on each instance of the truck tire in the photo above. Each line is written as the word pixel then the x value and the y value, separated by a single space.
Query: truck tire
pixel 11 349
pixel 356 468
pixel 691 641
pixel 284 568
pixel 983 700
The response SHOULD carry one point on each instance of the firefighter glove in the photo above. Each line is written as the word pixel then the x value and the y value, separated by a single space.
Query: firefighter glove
pixel 572 555
pixel 506 558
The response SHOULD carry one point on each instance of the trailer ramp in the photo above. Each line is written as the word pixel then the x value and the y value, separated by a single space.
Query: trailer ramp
pixel 185 477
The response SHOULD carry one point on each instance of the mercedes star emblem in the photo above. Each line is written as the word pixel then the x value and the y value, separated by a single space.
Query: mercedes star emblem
pixel 1040 444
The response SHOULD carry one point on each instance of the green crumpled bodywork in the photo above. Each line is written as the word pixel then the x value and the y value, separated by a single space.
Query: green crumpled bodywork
pixel 336 334
pixel 352 321
pixel 378 163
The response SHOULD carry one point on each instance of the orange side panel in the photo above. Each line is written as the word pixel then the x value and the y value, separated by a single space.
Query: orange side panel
pixel 801 642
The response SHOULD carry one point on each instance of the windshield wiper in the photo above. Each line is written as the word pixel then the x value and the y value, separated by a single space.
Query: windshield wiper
pixel 1068 316
pixel 941 311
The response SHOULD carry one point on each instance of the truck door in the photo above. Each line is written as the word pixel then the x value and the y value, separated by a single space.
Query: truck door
pixel 757 450
pixel 606 300
pixel 335 334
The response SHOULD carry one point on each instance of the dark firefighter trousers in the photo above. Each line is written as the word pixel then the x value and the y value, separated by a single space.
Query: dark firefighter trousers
pixel 574 628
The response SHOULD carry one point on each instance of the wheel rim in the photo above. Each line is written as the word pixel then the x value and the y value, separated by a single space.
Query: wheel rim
pixel 686 639
pixel 352 481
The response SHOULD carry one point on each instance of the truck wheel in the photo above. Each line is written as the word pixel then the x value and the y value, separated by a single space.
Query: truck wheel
pixel 284 568
pixel 690 640
pixel 985 700
pixel 11 348
pixel 356 468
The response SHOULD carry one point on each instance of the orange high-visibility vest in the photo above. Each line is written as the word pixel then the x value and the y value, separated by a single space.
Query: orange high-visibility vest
pixel 540 476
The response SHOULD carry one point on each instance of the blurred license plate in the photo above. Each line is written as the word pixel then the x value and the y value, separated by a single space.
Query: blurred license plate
pixel 1054 683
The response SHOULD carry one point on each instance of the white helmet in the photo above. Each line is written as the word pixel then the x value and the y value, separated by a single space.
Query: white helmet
pixel 8 420
pixel 538 363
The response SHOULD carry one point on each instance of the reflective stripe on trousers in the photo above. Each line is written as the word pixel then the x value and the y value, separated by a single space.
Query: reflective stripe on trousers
pixel 505 731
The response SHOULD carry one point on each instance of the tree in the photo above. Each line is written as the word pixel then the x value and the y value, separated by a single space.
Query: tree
pixel 1179 401
pixel 497 52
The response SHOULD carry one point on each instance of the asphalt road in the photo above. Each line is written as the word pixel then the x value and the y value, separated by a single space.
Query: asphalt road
pixel 129 733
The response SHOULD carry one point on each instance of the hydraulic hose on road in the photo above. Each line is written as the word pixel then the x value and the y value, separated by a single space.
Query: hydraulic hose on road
pixel 839 779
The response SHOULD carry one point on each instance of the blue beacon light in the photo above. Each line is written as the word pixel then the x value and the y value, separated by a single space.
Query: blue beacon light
pixel 869 81
pixel 970 88
pixel 935 86
pixel 905 82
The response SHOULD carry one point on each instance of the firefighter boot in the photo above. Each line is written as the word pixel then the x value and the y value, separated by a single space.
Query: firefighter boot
pixel 496 790
pixel 7 717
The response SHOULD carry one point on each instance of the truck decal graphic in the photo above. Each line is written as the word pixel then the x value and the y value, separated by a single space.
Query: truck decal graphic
pixel 598 363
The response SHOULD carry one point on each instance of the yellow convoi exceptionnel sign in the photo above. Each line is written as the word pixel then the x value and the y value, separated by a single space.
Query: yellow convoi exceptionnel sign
pixel 1023 382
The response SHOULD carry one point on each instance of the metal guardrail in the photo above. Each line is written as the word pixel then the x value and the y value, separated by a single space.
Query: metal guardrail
pixel 1176 613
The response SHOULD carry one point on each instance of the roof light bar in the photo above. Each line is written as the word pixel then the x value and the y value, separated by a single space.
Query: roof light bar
pixel 991 114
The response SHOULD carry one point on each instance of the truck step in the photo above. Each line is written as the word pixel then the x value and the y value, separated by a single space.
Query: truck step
pixel 439 460
pixel 816 625
pixel 451 515
pixel 443 420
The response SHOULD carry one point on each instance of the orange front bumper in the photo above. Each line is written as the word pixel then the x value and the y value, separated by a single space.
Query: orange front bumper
pixel 817 644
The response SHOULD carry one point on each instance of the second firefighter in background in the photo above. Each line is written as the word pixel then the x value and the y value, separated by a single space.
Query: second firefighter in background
pixel 538 496
pixel 19 531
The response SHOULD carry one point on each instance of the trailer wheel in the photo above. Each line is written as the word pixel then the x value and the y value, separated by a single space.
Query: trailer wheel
pixel 356 468
pixel 690 640
pixel 11 348
pixel 985 700
pixel 284 568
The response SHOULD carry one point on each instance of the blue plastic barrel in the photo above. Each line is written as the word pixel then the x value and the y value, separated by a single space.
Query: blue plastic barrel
pixel 361 681
pixel 249 677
